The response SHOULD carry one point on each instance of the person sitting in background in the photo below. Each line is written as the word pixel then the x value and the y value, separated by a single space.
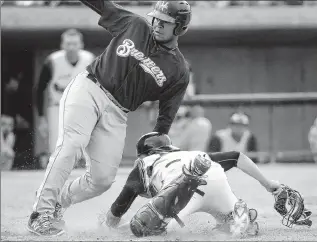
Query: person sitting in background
pixel 191 129
pixel 7 153
pixel 12 121
pixel 236 137
pixel 312 138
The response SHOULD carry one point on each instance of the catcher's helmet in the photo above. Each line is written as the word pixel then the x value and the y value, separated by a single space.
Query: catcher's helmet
pixel 154 142
pixel 178 12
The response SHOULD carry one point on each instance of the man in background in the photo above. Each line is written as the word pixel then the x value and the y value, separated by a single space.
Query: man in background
pixel 58 70
pixel 12 120
pixel 191 130
pixel 7 153
pixel 236 137
pixel 312 138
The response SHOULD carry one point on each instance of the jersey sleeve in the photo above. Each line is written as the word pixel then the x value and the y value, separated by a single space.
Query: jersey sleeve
pixel 116 19
pixel 227 160
pixel 169 103
pixel 95 5
pixel 132 188
pixel 45 77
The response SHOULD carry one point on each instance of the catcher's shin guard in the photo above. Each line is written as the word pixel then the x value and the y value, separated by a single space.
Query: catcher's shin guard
pixel 148 221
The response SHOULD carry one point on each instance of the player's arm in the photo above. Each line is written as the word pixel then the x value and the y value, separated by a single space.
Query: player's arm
pixel 252 146
pixel 44 79
pixel 113 17
pixel 214 144
pixel 95 5
pixel 132 188
pixel 169 103
pixel 232 159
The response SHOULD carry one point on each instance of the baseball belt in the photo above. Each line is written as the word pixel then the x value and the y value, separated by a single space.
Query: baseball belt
pixel 108 94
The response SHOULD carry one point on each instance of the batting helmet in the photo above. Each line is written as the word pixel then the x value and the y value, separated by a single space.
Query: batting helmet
pixel 178 12
pixel 154 142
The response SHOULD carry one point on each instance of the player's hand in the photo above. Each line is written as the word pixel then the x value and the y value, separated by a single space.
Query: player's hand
pixel 273 186
pixel 43 127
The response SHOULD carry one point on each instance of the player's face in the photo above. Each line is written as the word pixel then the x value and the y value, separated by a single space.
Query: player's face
pixel 163 31
pixel 72 44
pixel 238 129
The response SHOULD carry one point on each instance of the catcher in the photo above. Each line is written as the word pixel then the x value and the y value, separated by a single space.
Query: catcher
pixel 180 183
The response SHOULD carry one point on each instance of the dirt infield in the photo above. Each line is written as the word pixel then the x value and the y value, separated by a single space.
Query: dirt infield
pixel 18 192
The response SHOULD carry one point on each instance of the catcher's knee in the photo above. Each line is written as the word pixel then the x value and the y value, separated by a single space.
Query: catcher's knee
pixel 147 221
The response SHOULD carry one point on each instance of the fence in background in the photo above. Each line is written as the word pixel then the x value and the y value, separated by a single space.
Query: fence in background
pixel 271 101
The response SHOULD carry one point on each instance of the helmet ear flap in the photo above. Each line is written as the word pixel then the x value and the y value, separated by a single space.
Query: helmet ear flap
pixel 180 30
pixel 181 24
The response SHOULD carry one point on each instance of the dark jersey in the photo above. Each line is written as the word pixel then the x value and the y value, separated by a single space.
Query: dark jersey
pixel 134 68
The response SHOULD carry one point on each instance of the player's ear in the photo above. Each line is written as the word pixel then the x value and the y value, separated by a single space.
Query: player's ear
pixel 62 46
pixel 81 46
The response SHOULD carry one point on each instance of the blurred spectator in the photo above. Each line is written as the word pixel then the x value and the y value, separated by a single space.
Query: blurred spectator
pixel 11 119
pixel 312 138
pixel 190 129
pixel 237 136
pixel 7 153
pixel 191 88
pixel 58 70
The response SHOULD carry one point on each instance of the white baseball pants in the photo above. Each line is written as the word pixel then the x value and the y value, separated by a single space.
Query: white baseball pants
pixel 90 126
pixel 52 121
pixel 218 200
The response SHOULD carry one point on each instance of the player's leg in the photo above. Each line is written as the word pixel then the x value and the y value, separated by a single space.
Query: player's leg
pixel 52 121
pixel 104 151
pixel 217 198
pixel 229 212
pixel 79 111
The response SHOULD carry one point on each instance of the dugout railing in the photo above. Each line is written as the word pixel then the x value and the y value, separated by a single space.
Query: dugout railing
pixel 270 100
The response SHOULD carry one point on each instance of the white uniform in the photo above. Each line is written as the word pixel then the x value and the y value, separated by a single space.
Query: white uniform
pixel 218 200
pixel 62 73
pixel 229 143
pixel 312 138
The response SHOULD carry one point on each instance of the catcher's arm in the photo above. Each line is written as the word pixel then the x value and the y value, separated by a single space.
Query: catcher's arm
pixel 245 164
pixel 231 159
pixel 132 188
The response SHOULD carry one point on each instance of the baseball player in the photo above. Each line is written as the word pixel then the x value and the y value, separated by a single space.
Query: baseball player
pixel 192 130
pixel 312 139
pixel 141 63
pixel 58 70
pixel 184 182
pixel 237 136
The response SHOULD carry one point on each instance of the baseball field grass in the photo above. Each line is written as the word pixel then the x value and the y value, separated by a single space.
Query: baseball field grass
pixel 18 193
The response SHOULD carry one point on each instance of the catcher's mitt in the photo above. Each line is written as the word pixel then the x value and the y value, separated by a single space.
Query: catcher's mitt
pixel 290 205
